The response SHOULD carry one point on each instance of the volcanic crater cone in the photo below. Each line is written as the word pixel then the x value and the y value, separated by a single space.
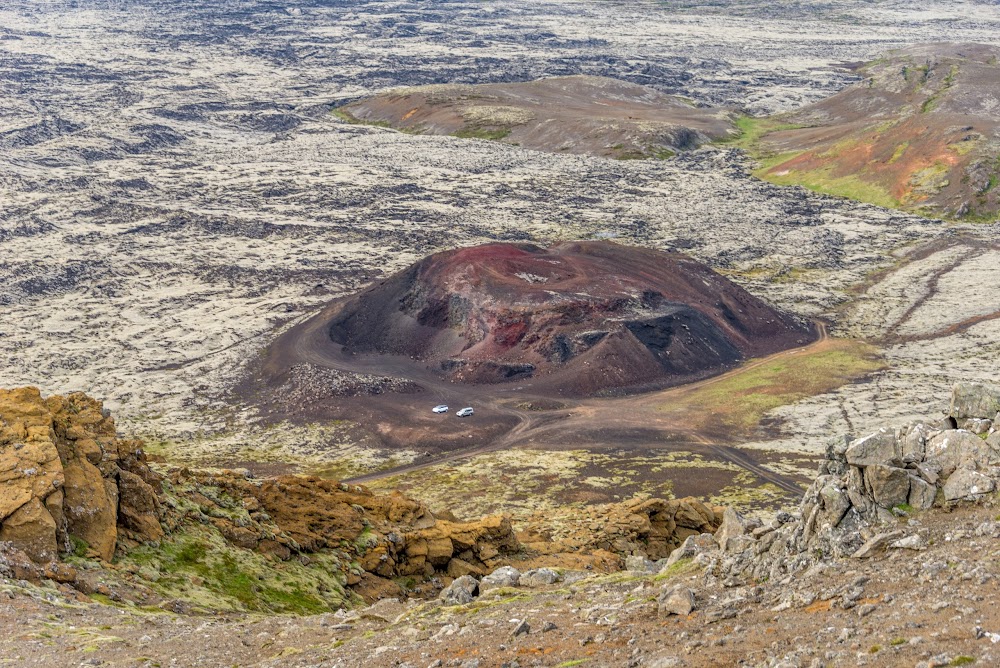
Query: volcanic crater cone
pixel 577 318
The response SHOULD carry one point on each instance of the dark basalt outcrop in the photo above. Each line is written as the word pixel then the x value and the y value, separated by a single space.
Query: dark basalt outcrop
pixel 921 132
pixel 579 318
pixel 574 114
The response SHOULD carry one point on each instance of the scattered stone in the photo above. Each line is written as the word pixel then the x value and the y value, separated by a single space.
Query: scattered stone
pixel 914 542
pixel 875 543
pixel 677 600
pixel 522 629
pixel 460 592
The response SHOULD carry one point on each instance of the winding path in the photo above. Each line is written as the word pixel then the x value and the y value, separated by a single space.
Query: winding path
pixel 531 425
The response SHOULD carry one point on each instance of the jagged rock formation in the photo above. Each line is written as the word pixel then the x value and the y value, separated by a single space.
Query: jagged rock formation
pixel 863 487
pixel 65 476
pixel 580 318
pixel 921 131
pixel 574 114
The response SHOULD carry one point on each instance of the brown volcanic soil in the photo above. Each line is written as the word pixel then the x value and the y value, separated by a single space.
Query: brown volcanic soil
pixel 575 114
pixel 578 319
pixel 923 127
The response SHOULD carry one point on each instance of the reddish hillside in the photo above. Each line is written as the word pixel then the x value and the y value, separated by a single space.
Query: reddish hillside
pixel 581 318
pixel 920 132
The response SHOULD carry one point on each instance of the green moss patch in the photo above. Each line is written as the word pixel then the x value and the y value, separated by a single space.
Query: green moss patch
pixel 739 401
pixel 198 566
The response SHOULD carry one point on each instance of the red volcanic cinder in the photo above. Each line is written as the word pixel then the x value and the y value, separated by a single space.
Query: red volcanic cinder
pixel 579 318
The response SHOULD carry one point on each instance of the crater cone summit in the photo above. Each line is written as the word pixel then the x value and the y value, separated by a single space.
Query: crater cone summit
pixel 577 318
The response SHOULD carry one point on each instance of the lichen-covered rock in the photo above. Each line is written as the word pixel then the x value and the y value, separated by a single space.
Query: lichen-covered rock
pixel 974 400
pixel 878 448
pixel 463 590
pixel 967 484
pixel 539 577
pixel 956 447
pixel 733 525
pixel 889 485
pixel 505 576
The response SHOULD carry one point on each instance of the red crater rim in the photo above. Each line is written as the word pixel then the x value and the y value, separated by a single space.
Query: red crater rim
pixel 580 319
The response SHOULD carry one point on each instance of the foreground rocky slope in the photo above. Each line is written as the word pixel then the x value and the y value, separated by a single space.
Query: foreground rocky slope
pixel 82 507
pixel 576 114
pixel 857 576
pixel 921 131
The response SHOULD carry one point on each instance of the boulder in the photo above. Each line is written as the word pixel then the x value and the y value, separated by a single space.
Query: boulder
pixel 915 441
pixel 639 564
pixel 922 494
pixel 834 503
pixel 539 577
pixel 463 590
pixel 677 600
pixel 505 576
pixel 890 486
pixel 957 447
pixel 691 548
pixel 974 400
pixel 882 447
pixel 733 525
pixel 967 484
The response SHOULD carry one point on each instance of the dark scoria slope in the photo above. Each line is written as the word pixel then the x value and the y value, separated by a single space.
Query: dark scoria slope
pixel 920 132
pixel 577 318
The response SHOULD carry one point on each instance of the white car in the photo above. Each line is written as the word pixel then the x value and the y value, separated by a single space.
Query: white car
pixel 443 408
pixel 465 412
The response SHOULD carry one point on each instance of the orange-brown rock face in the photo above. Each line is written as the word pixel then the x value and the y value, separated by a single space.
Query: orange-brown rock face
pixel 61 465
pixel 579 318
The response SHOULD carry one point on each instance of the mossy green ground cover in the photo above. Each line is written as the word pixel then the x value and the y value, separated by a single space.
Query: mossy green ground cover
pixel 739 401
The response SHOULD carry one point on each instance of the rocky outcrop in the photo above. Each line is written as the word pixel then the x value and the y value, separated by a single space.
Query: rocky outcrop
pixel 651 528
pixel 67 481
pixel 865 485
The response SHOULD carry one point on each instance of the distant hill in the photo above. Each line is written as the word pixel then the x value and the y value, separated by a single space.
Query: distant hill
pixel 920 132
pixel 574 114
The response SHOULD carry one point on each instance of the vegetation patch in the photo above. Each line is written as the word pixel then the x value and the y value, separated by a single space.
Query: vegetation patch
pixel 198 566
pixel 824 181
pixel 739 401
pixel 492 134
